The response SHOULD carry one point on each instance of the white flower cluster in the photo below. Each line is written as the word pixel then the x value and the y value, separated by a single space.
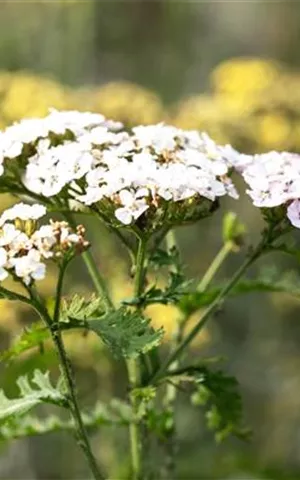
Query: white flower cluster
pixel 86 158
pixel 24 247
pixel 59 123
pixel 274 180
pixel 54 167
pixel 132 170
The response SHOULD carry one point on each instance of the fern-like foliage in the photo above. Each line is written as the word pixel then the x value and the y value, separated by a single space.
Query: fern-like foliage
pixel 176 289
pixel 80 308
pixel 177 286
pixel 32 392
pixel 126 333
pixel 218 394
pixel 116 413
pixel 165 258
pixel 33 336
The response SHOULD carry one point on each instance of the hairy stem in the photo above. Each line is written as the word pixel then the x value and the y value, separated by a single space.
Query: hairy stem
pixel 53 325
pixel 81 434
pixel 134 374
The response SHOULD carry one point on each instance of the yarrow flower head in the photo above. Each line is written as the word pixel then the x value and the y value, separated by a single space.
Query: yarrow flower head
pixel 151 175
pixel 25 246
pixel 57 127
pixel 133 173
pixel 153 167
pixel 274 181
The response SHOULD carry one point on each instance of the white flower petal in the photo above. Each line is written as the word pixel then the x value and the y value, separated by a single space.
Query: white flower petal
pixel 293 213
pixel 124 216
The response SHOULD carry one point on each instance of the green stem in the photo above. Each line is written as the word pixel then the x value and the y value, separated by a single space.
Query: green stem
pixel 58 296
pixel 134 374
pixel 214 266
pixel 169 443
pixel 81 434
pixel 139 272
pixel 97 279
pixel 159 238
pixel 5 293
pixel 93 270
pixel 105 220
pixel 203 320
pixel 53 325
pixel 134 428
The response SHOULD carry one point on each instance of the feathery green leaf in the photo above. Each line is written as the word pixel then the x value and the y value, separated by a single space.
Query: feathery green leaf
pixel 127 334
pixel 32 393
pixel 116 413
pixel 31 337
pixel 80 308
pixel 218 394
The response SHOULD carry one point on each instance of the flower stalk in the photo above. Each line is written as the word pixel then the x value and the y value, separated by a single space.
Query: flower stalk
pixel 93 270
pixel 67 371
pixel 134 373
pixel 215 266
pixel 97 279
pixel 169 443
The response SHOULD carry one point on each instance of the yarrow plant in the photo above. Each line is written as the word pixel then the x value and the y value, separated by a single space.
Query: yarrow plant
pixel 141 184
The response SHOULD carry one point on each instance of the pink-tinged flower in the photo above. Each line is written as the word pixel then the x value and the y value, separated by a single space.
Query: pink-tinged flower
pixel 293 213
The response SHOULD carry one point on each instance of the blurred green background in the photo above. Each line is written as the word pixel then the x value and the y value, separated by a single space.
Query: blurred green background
pixel 233 70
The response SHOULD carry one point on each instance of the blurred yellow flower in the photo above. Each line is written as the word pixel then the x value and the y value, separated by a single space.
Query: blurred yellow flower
pixel 9 318
pixel 243 76
pixel 273 130
pixel 124 101
pixel 254 105
pixel 24 94
pixel 166 316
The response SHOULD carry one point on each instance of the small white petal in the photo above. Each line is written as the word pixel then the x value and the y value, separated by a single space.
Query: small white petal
pixel 126 198
pixel 293 213
pixel 124 216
